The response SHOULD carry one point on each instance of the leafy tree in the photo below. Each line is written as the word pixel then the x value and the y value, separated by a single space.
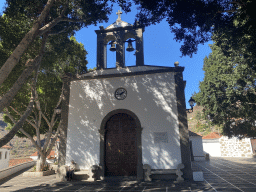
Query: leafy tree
pixel 45 19
pixel 228 92
pixel 46 87
pixel 47 97
pixel 194 21
pixel 48 17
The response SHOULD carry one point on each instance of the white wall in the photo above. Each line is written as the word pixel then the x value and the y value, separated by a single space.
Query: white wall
pixel 212 146
pixel 4 160
pixel 151 97
pixel 197 147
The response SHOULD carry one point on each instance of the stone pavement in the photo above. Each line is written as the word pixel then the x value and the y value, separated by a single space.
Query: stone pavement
pixel 221 174
pixel 230 173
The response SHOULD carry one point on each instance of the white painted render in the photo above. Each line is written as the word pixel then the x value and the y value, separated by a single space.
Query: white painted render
pixel 197 147
pixel 4 158
pixel 151 97
pixel 212 146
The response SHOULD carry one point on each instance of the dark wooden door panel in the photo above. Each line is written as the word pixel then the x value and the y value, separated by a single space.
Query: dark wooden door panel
pixel 121 149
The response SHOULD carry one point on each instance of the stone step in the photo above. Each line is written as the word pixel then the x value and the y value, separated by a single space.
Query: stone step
pixel 81 175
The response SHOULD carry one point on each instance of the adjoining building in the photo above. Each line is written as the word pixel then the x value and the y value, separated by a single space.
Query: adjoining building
pixel 4 156
pixel 221 146
pixel 196 146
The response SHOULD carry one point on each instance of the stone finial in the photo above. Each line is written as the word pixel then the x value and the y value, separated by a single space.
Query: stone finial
pixel 147 172
pixel 179 173
pixel 176 64
pixel 101 27
pixel 95 173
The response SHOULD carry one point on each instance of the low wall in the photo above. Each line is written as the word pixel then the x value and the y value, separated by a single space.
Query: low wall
pixel 235 147
pixel 14 169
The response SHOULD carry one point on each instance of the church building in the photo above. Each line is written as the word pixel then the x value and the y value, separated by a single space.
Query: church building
pixel 124 118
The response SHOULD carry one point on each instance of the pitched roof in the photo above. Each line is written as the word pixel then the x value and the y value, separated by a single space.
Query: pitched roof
pixel 190 133
pixel 50 156
pixel 212 135
pixel 13 162
pixel 6 147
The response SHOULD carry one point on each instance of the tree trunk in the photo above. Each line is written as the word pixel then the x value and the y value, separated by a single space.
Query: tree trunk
pixel 23 45
pixel 42 161
pixel 6 100
pixel 32 65
pixel 38 165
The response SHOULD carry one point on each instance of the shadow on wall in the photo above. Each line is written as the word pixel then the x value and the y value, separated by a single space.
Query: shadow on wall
pixel 151 97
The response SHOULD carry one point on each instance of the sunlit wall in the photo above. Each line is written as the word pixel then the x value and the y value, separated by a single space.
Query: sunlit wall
pixel 151 97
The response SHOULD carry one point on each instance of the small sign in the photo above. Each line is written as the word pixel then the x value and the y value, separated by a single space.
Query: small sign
pixel 160 137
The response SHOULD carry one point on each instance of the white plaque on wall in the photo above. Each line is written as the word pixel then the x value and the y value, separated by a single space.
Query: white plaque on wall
pixel 160 137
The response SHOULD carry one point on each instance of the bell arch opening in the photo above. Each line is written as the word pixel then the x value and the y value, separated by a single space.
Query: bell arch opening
pixel 130 52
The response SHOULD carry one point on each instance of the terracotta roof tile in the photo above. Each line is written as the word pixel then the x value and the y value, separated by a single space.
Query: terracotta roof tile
pixel 6 147
pixel 212 135
pixel 13 162
pixel 52 154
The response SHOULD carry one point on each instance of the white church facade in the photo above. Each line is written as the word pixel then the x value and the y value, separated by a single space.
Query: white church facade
pixel 125 117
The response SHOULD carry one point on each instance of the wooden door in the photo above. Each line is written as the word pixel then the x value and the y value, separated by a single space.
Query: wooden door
pixel 121 146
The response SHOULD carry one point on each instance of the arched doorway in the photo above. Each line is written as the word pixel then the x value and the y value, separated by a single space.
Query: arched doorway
pixel 121 154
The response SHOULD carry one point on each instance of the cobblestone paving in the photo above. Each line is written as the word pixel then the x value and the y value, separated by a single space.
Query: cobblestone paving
pixel 230 174
pixel 220 174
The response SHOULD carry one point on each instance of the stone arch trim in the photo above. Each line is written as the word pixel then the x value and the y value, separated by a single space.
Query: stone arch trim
pixel 109 38
pixel 102 132
pixel 130 34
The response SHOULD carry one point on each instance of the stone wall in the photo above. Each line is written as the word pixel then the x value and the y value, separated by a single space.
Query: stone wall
pixel 234 147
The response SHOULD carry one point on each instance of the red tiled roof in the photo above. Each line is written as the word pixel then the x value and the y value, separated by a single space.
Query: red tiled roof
pixel 212 135
pixel 6 147
pixel 52 154
pixel 13 162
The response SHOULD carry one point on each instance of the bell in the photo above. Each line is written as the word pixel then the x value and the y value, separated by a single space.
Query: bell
pixel 130 48
pixel 113 47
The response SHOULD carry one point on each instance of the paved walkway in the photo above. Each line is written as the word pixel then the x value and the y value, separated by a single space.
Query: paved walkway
pixel 221 174
pixel 230 174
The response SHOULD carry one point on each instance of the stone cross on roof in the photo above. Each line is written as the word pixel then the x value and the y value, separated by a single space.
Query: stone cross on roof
pixel 119 15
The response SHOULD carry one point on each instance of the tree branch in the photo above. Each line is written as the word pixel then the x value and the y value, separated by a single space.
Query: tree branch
pixel 53 121
pixel 4 140
pixel 54 139
pixel 34 125
pixel 49 25
pixel 32 140
pixel 31 66
pixel 23 45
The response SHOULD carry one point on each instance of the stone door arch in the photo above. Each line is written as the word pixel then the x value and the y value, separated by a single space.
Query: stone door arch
pixel 114 146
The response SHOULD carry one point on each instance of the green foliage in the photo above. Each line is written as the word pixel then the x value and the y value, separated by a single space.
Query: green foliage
pixel 34 169
pixel 45 167
pixel 193 22
pixel 62 54
pixel 227 92
pixel 198 116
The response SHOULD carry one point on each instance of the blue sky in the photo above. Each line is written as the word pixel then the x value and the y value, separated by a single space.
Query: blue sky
pixel 160 49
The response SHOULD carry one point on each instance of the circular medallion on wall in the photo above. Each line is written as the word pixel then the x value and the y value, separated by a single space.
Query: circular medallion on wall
pixel 120 94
